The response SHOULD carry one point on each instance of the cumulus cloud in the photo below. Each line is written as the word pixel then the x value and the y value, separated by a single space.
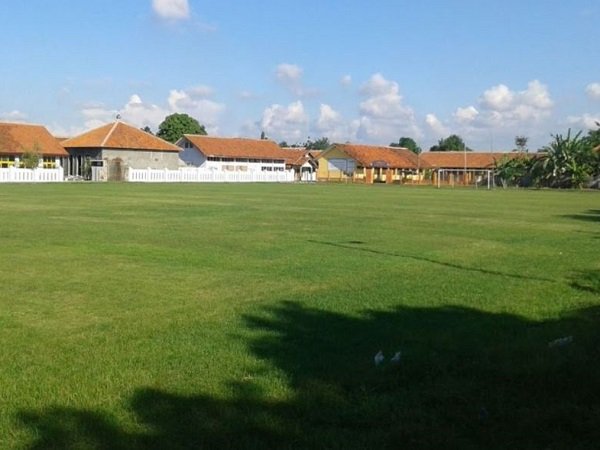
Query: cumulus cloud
pixel 501 113
pixel 466 115
pixel 330 123
pixel 593 91
pixel 346 81
pixel 503 106
pixel 436 126
pixel 194 101
pixel 171 9
pixel 383 115
pixel 285 122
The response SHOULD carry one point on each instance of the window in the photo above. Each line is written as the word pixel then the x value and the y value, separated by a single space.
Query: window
pixel 341 165
pixel 49 163
pixel 7 161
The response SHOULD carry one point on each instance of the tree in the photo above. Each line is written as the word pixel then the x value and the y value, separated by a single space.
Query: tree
pixel 147 129
pixel 521 143
pixel 176 125
pixel 512 170
pixel 452 143
pixel 319 144
pixel 409 143
pixel 263 136
pixel 567 161
pixel 283 144
pixel 30 159
pixel 593 137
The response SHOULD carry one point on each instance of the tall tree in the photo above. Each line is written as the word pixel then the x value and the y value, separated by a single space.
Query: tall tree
pixel 521 143
pixel 176 125
pixel 409 143
pixel 453 143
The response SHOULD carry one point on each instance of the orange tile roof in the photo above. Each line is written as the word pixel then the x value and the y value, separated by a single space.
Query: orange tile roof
pixel 370 155
pixel 17 138
pixel 119 135
pixel 220 147
pixel 456 160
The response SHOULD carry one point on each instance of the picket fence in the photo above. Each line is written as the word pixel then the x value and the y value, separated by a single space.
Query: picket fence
pixel 14 175
pixel 199 175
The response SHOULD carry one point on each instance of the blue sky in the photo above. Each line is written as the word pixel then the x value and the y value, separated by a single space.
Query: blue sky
pixel 350 70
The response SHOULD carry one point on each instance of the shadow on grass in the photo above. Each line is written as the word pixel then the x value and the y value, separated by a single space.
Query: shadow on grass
pixel 467 379
pixel 429 260
pixel 591 215
pixel 587 281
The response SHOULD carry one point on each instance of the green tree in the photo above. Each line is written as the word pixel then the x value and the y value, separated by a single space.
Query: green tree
pixel 319 144
pixel 30 159
pixel 147 129
pixel 453 143
pixel 512 170
pixel 521 143
pixel 567 161
pixel 409 143
pixel 176 125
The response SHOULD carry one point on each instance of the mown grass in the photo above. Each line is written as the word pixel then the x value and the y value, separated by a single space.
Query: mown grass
pixel 247 316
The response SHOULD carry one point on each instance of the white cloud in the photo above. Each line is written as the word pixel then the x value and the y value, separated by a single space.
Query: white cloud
pixel 171 9
pixel 466 115
pixel 503 107
pixel 585 121
pixel 346 81
pixel 502 113
pixel 436 126
pixel 383 115
pixel 331 124
pixel 13 116
pixel 497 98
pixel 290 76
pixel 288 73
pixel 285 123
pixel 139 113
pixel 593 91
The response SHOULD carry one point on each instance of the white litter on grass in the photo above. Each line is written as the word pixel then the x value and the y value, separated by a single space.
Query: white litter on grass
pixel 396 358
pixel 560 342
pixel 379 358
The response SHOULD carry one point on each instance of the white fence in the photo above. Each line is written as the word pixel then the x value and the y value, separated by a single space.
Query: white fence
pixel 14 175
pixel 199 175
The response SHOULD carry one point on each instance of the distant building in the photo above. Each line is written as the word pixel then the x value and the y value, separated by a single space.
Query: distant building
pixel 105 153
pixel 368 164
pixel 18 138
pixel 243 155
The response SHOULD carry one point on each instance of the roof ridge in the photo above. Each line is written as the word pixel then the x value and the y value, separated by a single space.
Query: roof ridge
pixel 107 137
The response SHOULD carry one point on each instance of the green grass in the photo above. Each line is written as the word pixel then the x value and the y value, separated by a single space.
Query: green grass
pixel 247 316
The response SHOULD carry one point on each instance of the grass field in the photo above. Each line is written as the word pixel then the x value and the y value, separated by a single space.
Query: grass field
pixel 248 316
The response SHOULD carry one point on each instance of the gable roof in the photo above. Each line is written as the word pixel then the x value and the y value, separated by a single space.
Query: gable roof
pixel 375 156
pixel 470 160
pixel 119 135
pixel 220 147
pixel 17 138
